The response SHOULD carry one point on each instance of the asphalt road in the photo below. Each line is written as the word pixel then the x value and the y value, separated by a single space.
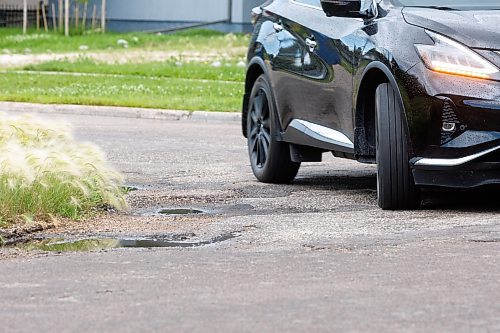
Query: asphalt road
pixel 314 256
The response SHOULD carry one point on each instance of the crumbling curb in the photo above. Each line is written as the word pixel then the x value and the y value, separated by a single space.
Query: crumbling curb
pixel 121 112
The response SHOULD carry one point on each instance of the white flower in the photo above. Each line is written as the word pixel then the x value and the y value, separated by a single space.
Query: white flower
pixel 122 42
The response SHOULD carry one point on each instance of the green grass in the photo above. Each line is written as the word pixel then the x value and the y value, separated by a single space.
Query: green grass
pixel 195 40
pixel 45 173
pixel 168 69
pixel 172 84
pixel 133 91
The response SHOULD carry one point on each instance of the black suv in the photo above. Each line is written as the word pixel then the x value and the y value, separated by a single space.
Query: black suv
pixel 411 85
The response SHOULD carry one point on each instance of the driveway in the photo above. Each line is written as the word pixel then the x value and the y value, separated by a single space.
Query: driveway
pixel 317 255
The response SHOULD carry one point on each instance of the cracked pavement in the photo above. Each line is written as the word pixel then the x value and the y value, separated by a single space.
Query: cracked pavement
pixel 314 255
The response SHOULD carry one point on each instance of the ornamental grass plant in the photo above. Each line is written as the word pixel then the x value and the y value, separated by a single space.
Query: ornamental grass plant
pixel 46 174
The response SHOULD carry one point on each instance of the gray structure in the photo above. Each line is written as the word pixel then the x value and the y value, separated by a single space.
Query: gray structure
pixel 151 15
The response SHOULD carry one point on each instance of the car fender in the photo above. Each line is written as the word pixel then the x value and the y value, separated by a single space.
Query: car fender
pixel 389 75
pixel 258 63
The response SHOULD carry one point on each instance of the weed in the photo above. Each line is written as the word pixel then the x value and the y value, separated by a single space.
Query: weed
pixel 45 173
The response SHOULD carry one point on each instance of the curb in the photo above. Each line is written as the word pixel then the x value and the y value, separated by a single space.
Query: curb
pixel 121 112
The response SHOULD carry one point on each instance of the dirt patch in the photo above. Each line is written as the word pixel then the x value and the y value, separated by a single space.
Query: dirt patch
pixel 119 57
pixel 23 231
pixel 133 222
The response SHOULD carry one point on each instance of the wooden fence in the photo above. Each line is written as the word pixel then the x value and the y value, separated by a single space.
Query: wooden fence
pixel 57 15
pixel 12 15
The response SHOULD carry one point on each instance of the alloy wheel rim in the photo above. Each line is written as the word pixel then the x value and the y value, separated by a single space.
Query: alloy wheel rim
pixel 260 129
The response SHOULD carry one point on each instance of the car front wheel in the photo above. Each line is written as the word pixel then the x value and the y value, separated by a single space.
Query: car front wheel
pixel 395 184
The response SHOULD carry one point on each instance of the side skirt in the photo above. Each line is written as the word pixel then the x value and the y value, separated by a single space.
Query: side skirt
pixel 305 133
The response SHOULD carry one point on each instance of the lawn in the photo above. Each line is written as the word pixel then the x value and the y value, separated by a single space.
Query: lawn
pixel 229 71
pixel 185 78
pixel 13 41
pixel 128 90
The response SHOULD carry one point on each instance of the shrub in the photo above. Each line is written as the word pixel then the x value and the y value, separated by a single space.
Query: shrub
pixel 45 173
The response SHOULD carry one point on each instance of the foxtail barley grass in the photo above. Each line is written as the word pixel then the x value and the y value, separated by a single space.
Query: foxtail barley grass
pixel 45 173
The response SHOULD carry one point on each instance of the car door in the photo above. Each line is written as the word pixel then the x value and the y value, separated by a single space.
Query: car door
pixel 285 57
pixel 324 95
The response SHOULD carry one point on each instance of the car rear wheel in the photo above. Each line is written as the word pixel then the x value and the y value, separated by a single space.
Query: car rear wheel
pixel 269 158
pixel 395 184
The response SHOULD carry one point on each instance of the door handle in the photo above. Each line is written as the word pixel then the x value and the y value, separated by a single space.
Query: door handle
pixel 278 27
pixel 311 44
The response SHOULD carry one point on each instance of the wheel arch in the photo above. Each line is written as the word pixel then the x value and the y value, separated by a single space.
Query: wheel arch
pixel 256 67
pixel 373 75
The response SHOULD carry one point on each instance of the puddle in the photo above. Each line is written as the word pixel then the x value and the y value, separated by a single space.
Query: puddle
pixel 180 211
pixel 96 244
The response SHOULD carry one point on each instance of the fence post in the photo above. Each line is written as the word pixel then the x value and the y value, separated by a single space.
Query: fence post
pixel 44 17
pixel 37 16
pixel 61 15
pixel 77 15
pixel 84 19
pixel 54 17
pixel 94 16
pixel 103 16
pixel 66 18
pixel 25 16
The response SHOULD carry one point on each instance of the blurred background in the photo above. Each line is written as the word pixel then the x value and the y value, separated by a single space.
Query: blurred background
pixel 133 15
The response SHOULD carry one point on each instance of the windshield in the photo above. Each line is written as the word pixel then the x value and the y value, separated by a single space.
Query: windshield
pixel 452 4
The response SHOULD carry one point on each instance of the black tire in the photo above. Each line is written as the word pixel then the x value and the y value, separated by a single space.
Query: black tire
pixel 269 158
pixel 395 184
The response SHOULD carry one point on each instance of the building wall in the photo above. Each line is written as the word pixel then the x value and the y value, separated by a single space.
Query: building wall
pixel 184 11
pixel 168 10
pixel 242 10
pixel 157 15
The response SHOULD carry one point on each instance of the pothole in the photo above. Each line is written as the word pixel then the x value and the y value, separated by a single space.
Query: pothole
pixel 180 211
pixel 486 240
pixel 104 243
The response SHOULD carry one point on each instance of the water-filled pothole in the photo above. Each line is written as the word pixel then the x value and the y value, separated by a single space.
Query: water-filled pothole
pixel 180 211
pixel 104 243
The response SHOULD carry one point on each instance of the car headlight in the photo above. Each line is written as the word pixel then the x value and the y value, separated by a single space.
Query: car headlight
pixel 450 57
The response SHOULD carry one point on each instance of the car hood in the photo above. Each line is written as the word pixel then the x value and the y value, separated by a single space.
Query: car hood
pixel 477 29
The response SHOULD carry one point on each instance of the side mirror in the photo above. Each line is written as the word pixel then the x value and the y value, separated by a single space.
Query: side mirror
pixel 343 8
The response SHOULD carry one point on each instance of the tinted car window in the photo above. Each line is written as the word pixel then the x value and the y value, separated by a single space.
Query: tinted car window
pixel 315 3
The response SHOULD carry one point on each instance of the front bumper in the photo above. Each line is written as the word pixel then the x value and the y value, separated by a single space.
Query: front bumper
pixel 478 169
pixel 455 129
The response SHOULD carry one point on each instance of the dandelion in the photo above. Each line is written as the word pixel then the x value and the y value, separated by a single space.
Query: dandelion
pixel 122 42
pixel 216 64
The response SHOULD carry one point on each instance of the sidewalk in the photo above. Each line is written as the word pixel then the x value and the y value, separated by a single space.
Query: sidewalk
pixel 121 112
